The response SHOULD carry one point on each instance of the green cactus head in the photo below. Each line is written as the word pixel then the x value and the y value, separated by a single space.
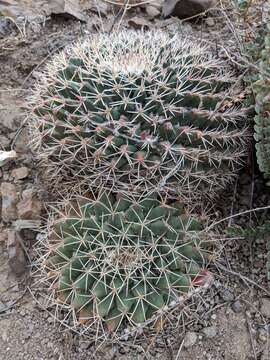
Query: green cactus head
pixel 139 111
pixel 114 260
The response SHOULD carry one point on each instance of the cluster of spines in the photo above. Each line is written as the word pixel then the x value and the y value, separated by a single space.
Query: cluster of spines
pixel 114 260
pixel 137 111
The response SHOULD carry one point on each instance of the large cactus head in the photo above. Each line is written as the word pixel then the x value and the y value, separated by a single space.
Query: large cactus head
pixel 113 260
pixel 136 111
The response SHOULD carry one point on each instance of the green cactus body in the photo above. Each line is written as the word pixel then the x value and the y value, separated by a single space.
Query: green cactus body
pixel 138 111
pixel 262 108
pixel 113 258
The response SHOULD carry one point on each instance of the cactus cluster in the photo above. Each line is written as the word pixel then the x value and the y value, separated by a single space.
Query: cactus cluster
pixel 153 121
pixel 116 259
pixel 139 111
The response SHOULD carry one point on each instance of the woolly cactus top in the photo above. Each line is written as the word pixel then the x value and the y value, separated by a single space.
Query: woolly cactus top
pixel 138 111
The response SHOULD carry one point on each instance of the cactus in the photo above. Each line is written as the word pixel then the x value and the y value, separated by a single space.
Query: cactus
pixel 138 111
pixel 113 259
pixel 262 108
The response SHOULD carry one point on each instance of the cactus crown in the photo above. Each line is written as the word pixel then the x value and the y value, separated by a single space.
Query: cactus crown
pixel 135 111
pixel 113 259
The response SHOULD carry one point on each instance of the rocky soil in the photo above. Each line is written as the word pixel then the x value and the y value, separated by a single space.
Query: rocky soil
pixel 231 320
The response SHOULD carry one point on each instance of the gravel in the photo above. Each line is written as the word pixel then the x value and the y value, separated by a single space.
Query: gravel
pixel 190 339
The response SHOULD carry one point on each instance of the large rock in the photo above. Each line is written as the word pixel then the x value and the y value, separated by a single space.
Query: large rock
pixel 9 201
pixel 16 257
pixel 186 8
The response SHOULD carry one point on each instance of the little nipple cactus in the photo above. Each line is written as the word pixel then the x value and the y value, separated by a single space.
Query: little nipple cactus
pixel 138 111
pixel 113 260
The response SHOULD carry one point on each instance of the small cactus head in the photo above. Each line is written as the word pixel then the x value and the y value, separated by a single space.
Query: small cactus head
pixel 138 111
pixel 114 260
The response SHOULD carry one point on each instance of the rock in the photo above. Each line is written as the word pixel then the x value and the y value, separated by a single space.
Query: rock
pixel 20 173
pixel 9 111
pixel 9 201
pixel 226 295
pixel 29 207
pixel 84 345
pixel 152 11
pixel 210 332
pixel 70 7
pixel 5 176
pixel 186 8
pixel 190 339
pixel 265 307
pixel 16 257
pixel 138 23
pixel 6 156
pixel 36 9
pixel 5 28
pixel 21 144
pixel 237 306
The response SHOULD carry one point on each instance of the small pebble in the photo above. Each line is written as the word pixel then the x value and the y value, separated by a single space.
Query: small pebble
pixel 210 332
pixel 190 339
pixel 226 295
pixel 237 306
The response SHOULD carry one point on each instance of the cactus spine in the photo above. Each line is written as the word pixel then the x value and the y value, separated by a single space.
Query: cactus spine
pixel 139 111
